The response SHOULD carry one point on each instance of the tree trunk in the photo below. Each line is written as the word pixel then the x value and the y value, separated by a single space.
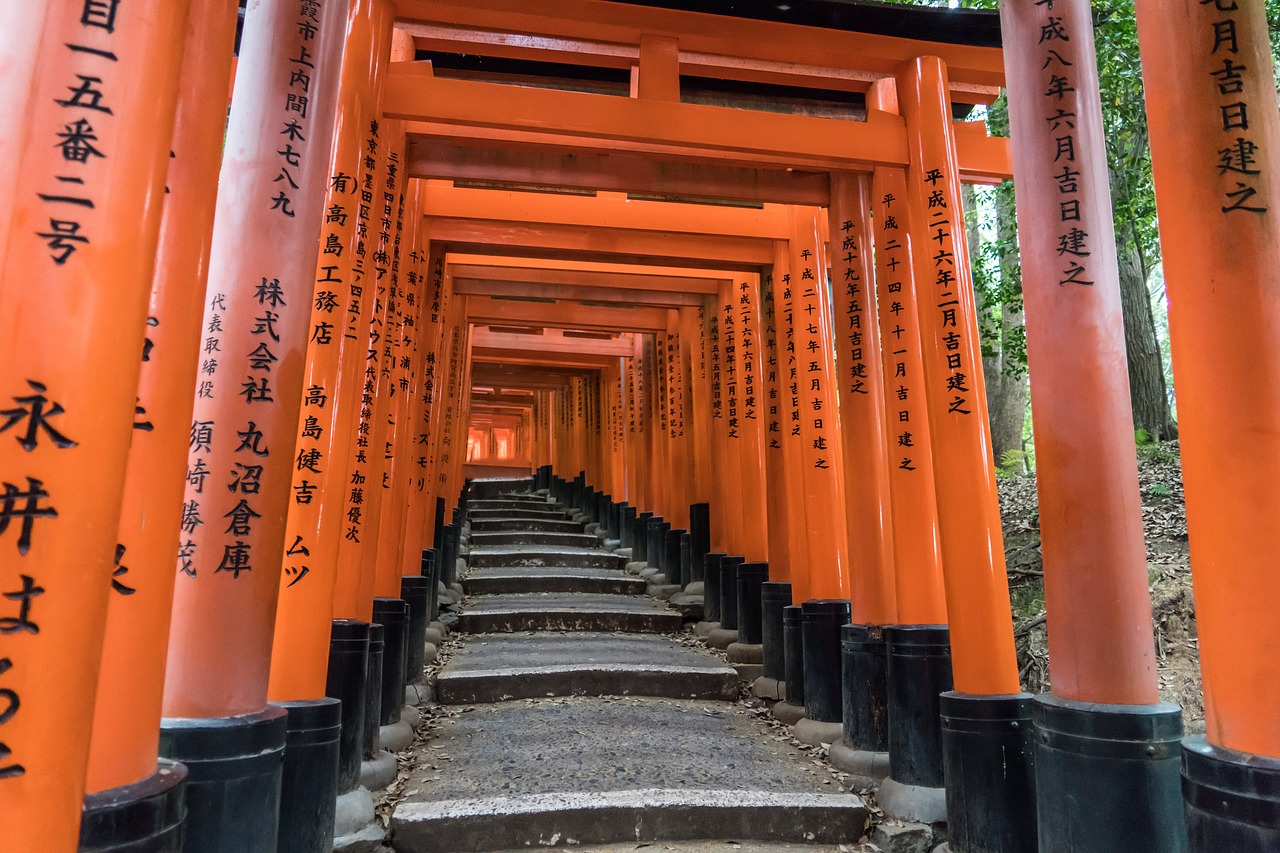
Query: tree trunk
pixel 1000 322
pixel 1148 392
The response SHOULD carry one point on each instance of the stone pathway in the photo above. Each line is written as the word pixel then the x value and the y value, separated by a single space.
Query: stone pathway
pixel 576 717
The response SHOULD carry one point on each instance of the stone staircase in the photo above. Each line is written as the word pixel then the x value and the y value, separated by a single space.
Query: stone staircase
pixel 588 718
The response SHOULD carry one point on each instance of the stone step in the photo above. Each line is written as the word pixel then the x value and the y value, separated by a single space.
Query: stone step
pixel 555 538
pixel 514 523
pixel 503 579
pixel 554 772
pixel 539 512
pixel 497 667
pixel 567 611
pixel 509 503
pixel 492 487
pixel 542 555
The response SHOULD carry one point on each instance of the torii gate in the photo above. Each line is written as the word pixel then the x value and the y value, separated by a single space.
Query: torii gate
pixel 260 526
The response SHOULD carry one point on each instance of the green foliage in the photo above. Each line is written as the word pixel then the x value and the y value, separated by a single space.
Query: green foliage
pixel 1164 490
pixel 1013 463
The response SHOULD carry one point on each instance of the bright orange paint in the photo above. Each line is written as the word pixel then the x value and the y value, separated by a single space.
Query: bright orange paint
pixel 983 660
pixel 257 325
pixel 1224 323
pixel 72 318
pixel 315 521
pixel 863 438
pixel 826 541
pixel 126 715
pixel 1097 597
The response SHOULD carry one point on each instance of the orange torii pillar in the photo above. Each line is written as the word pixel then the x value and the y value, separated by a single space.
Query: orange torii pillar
pixel 257 312
pixel 1215 130
pixel 399 442
pixel 697 408
pixel 126 714
pixel 983 731
pixel 378 598
pixel 1103 726
pixel 865 447
pixel 419 519
pixel 86 187
pixel 813 383
pixel 316 655
pixel 791 478
pixel 751 424
pixel 781 513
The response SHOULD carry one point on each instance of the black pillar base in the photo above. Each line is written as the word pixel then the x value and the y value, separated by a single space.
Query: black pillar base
pixel 393 615
pixel 919 672
pixel 711 586
pixel 820 624
pixel 1108 777
pixel 415 591
pixel 671 566
pixel 988 752
pixel 372 722
pixel 728 592
pixel 793 654
pixel 864 663
pixel 1232 799
pixel 346 681
pixel 774 595
pixel 309 788
pixel 700 533
pixel 751 578
pixel 145 817
pixel 234 770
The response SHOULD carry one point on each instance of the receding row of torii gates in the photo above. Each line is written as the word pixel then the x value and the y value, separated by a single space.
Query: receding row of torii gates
pixel 239 353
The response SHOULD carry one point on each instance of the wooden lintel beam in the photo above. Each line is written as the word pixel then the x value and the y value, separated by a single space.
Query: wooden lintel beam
pixel 605 211
pixel 610 245
pixel 709 285
pixel 487 343
pixel 734 136
pixel 444 38
pixel 623 25
pixel 613 171
pixel 464 109
pixel 564 315
pixel 575 292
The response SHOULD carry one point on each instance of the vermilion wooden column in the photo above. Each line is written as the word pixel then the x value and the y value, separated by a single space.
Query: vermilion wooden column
pixel 1218 201
pixel 732 390
pixel 360 486
pixel 787 512
pixel 420 516
pixel 379 368
pixel 395 481
pixel 22 27
pixel 920 594
pixel 983 660
pixel 862 425
pixel 257 326
pixel 1096 594
pixel 747 357
pixel 1101 649
pixel 126 719
pixel 1213 155
pixel 314 523
pixel 698 404
pixel 917 548
pixel 85 189
pixel 728 518
pixel 353 592
pixel 826 540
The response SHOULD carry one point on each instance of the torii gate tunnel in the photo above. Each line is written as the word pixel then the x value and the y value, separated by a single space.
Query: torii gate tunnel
pixel 692 269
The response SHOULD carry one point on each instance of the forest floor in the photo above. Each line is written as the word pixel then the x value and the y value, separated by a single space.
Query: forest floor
pixel 1168 569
